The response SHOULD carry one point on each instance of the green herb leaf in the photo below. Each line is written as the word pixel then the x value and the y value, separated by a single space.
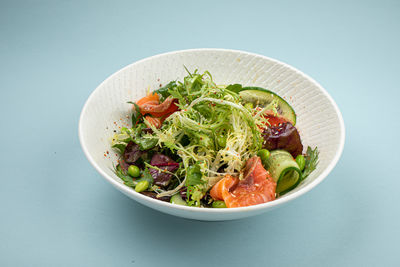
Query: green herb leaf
pixel 195 185
pixel 124 177
pixel 188 71
pixel 146 177
pixel 136 115
pixel 146 143
pixel 193 175
pixel 120 147
pixel 120 141
pixel 177 94
pixel 195 193
pixel 235 87
pixel 311 158
pixel 164 91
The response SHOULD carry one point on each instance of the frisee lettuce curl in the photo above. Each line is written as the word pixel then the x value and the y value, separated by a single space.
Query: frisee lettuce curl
pixel 206 112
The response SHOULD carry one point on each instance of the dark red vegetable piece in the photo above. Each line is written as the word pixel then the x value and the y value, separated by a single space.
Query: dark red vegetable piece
pixel 132 153
pixel 165 163
pixel 154 195
pixel 147 131
pixel 283 136
pixel 183 194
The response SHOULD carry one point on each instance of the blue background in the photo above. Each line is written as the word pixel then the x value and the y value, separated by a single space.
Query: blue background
pixel 57 211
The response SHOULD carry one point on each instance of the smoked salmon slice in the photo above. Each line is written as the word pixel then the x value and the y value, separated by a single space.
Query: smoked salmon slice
pixel 150 104
pixel 257 187
pixel 158 110
pixel 150 98
pixel 156 122
pixel 220 191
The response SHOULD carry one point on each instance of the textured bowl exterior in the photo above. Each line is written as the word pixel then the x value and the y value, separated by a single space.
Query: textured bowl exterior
pixel 319 120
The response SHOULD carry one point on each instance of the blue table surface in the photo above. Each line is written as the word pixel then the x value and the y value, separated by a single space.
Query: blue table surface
pixel 56 210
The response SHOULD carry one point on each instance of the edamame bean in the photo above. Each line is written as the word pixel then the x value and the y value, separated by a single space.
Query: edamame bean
pixel 301 161
pixel 142 186
pixel 218 204
pixel 263 154
pixel 134 171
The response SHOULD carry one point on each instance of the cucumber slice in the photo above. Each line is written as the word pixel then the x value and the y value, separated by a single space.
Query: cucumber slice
pixel 263 97
pixel 284 170
pixel 177 199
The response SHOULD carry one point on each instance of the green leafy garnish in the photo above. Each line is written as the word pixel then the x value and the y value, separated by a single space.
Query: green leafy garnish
pixel 195 193
pixel 120 147
pixel 120 140
pixel 196 186
pixel 146 176
pixel 311 158
pixel 136 115
pixel 164 91
pixel 235 87
pixel 128 181
pixel 145 141
pixel 193 175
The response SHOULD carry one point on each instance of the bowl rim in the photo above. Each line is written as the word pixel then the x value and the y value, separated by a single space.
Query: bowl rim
pixel 130 192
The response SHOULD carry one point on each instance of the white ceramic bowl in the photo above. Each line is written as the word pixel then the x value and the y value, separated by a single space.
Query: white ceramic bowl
pixel 319 120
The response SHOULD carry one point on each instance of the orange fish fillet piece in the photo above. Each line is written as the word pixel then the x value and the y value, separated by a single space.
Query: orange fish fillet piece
pixel 257 187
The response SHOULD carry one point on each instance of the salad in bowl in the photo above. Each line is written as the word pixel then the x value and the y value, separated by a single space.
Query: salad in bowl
pixel 199 144
pixel 245 132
